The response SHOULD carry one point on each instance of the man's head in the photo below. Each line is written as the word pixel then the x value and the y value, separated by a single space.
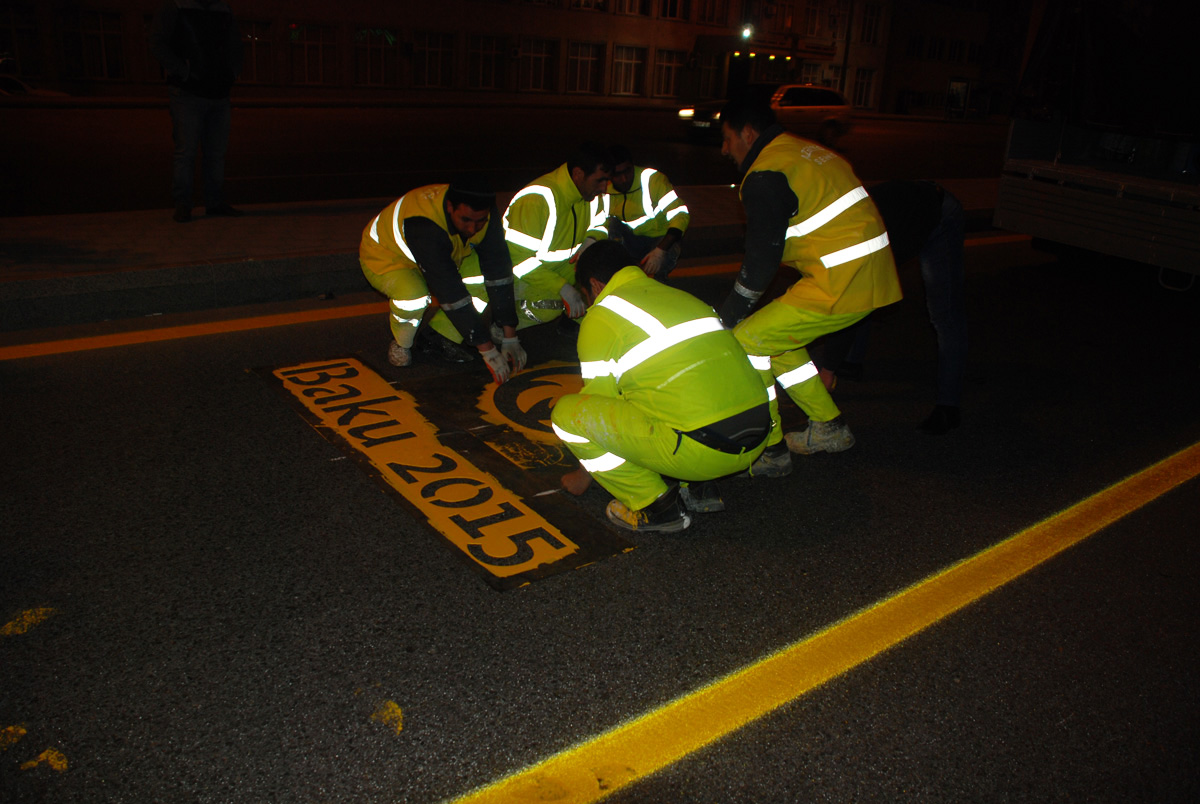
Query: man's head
pixel 622 168
pixel 742 121
pixel 468 202
pixel 598 264
pixel 590 169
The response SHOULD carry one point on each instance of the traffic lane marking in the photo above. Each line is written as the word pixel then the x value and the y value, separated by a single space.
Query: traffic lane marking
pixel 661 737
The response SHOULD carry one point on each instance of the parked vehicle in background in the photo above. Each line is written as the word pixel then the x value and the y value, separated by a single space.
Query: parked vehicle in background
pixel 809 111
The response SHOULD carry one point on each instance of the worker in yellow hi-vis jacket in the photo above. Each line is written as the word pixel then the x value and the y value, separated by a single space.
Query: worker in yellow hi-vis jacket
pixel 668 396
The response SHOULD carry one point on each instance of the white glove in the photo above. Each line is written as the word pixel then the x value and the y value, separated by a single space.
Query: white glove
pixel 496 364
pixel 513 352
pixel 653 261
pixel 573 301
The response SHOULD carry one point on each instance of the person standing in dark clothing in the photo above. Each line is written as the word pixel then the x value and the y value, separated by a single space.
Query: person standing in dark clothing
pixel 924 220
pixel 200 48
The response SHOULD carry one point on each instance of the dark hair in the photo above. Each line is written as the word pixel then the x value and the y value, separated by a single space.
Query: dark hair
pixel 743 110
pixel 619 155
pixel 601 260
pixel 589 157
pixel 473 190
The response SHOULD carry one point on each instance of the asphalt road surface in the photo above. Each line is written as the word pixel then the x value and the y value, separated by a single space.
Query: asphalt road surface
pixel 205 600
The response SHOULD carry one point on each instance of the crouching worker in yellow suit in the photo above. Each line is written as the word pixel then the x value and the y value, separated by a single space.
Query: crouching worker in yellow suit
pixel 668 395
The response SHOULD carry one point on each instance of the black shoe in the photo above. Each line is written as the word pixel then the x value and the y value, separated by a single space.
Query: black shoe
pixel 567 327
pixel 223 210
pixel 701 497
pixel 664 514
pixel 432 343
pixel 183 214
pixel 943 419
pixel 850 371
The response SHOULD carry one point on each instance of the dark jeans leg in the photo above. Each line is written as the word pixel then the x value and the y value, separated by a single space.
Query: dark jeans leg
pixel 186 119
pixel 215 143
pixel 942 270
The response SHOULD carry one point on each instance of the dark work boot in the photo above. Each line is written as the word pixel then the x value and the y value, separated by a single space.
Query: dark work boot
pixel 664 514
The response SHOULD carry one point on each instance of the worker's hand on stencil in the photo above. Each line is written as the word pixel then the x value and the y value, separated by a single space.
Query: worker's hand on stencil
pixel 573 301
pixel 652 262
pixel 513 352
pixel 587 241
pixel 496 364
pixel 577 482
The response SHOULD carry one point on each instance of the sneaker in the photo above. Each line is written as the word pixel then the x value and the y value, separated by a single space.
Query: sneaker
pixel 398 355
pixel 664 514
pixel 223 210
pixel 436 345
pixel 830 436
pixel 701 498
pixel 183 214
pixel 775 461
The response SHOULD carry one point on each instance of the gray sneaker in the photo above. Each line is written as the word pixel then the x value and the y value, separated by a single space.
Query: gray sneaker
pixel 702 497
pixel 775 461
pixel 399 355
pixel 830 436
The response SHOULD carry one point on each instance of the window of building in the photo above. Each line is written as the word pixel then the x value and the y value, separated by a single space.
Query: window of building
pixel 673 9
pixel 784 16
pixel 538 65
pixel 19 40
pixel 668 66
pixel 589 5
pixel 864 88
pixel 813 12
pixel 916 47
pixel 433 59
pixel 810 73
pixel 485 62
pixel 376 57
pixel 869 31
pixel 313 53
pixel 638 7
pixel 713 12
pixel 954 50
pixel 973 51
pixel 629 70
pixel 937 49
pixel 93 46
pixel 257 65
pixel 708 85
pixel 585 67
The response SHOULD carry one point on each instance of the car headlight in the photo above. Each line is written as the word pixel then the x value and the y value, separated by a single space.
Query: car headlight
pixel 687 114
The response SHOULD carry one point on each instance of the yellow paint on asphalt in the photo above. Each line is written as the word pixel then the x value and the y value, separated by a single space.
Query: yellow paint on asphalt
pixel 389 714
pixel 26 620
pixel 10 736
pixel 657 739
pixel 188 331
pixel 52 757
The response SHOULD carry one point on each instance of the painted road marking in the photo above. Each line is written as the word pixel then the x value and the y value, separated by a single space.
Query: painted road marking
pixel 647 744
pixel 26 620
pixel 489 524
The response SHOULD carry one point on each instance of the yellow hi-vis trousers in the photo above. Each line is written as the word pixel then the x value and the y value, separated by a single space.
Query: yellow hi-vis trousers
pixel 627 451
pixel 774 338
pixel 408 296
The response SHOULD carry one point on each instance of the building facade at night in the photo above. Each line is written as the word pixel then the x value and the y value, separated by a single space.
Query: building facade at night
pixel 908 56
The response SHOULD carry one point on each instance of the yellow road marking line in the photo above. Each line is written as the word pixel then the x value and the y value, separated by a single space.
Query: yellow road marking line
pixel 188 331
pixel 647 744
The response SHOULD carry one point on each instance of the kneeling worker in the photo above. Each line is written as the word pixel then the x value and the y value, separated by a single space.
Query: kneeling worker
pixel 438 239
pixel 668 395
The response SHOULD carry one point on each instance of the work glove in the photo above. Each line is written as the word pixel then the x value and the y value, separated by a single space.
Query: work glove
pixel 513 352
pixel 573 302
pixel 652 262
pixel 496 364
pixel 735 308
pixel 587 241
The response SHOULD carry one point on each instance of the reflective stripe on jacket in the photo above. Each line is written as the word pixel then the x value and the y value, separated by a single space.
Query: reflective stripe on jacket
pixel 546 222
pixel 650 207
pixel 836 238
pixel 666 352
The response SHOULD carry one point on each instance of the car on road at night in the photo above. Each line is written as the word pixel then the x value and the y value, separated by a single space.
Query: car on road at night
pixel 807 110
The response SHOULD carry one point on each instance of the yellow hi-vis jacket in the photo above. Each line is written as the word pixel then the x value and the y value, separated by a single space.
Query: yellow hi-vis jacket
pixel 650 207
pixel 664 351
pixel 836 238
pixel 545 224
pixel 383 248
